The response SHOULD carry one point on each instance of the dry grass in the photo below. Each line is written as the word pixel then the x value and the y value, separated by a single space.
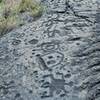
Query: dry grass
pixel 10 10
pixel 34 8
pixel 7 24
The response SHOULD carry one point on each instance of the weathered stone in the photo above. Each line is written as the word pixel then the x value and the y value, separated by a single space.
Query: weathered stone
pixel 56 57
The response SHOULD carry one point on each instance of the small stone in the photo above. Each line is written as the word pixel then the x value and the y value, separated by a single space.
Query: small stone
pixel 33 41
pixel 16 42
pixel 17 95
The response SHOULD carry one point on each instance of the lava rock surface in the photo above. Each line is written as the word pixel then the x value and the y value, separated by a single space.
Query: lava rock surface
pixel 56 57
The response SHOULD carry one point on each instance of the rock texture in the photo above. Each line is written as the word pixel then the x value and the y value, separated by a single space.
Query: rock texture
pixel 57 57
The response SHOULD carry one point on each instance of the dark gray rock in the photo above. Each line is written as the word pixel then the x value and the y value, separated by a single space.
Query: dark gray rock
pixel 56 57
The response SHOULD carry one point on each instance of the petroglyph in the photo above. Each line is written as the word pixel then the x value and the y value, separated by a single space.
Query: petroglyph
pixel 56 57
pixel 55 85
pixel 50 60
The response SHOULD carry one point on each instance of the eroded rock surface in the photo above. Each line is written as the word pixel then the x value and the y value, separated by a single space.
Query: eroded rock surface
pixel 56 57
